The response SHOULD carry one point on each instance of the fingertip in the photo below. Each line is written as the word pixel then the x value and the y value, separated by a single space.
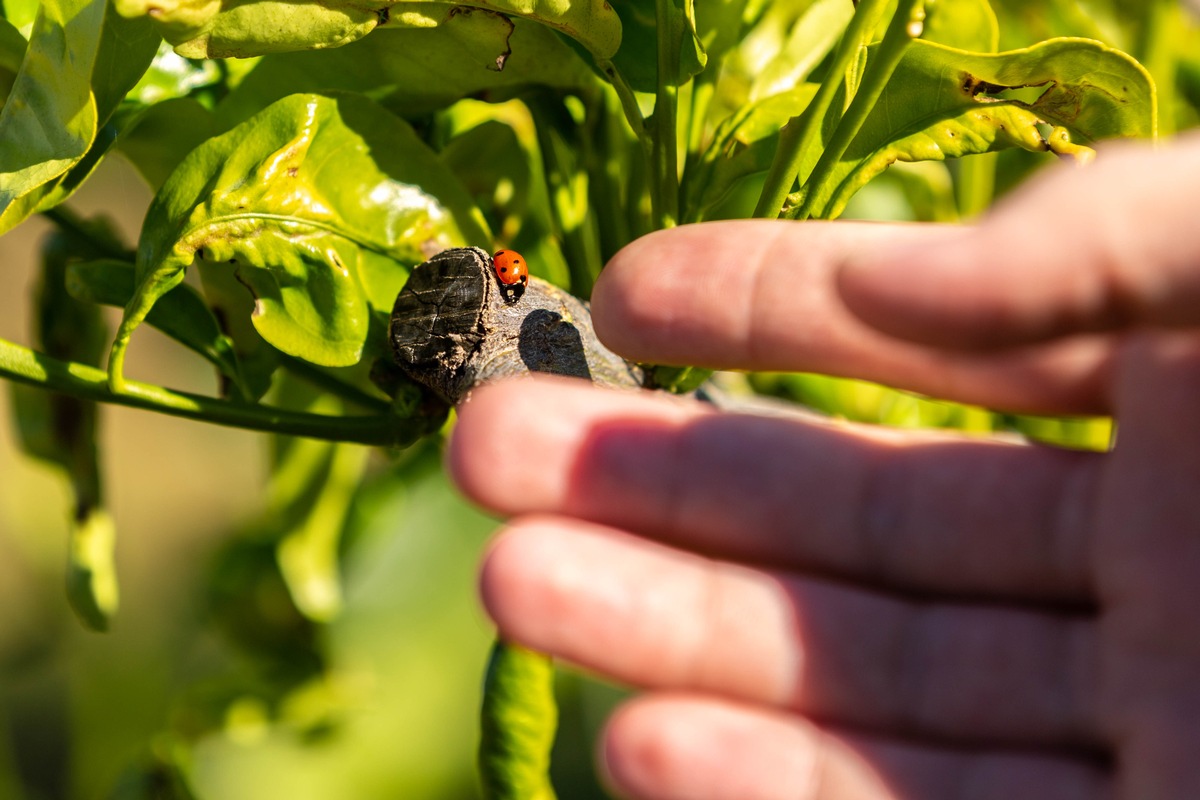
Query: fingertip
pixel 512 446
pixel 674 296
pixel 628 299
pixel 538 582
pixel 658 746
pixel 630 757
pixel 673 745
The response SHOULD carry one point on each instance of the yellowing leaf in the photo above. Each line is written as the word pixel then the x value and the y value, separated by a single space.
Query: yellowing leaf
pixel 213 29
pixel 294 197
pixel 944 103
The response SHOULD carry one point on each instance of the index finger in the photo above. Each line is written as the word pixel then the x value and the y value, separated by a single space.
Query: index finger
pixel 763 295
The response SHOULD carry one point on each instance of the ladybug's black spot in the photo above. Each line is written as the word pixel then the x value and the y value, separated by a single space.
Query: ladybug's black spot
pixel 504 269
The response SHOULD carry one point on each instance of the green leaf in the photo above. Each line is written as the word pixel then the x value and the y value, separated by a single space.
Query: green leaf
pixel 518 721
pixel 316 516
pixel 921 191
pixel 945 103
pixel 127 48
pixel 92 588
pixel 743 145
pixel 637 60
pixel 719 25
pixel 498 169
pixel 678 380
pixel 171 75
pixel 12 51
pixel 293 197
pixel 81 60
pixel 200 29
pixel 810 39
pixel 964 24
pixel 779 52
pixel 158 138
pixel 412 70
pixel 50 118
pixel 1023 22
pixel 61 429
pixel 234 308
pixel 561 129
pixel 21 13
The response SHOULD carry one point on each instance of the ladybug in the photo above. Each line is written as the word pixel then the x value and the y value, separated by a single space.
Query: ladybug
pixel 513 273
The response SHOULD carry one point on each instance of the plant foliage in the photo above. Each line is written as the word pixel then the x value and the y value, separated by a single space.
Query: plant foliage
pixel 305 156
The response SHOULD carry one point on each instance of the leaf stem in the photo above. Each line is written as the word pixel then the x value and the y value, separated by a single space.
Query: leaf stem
pixel 905 26
pixel 799 137
pixel 24 365
pixel 629 103
pixel 665 155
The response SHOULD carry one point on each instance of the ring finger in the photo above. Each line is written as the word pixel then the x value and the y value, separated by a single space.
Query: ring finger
pixel 661 618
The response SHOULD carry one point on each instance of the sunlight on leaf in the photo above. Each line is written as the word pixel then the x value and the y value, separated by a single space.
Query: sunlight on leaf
pixel 207 29
pixel 81 60
pixel 293 197
pixel 944 103
pixel 412 70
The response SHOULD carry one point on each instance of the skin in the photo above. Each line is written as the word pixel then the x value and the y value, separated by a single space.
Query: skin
pixel 824 611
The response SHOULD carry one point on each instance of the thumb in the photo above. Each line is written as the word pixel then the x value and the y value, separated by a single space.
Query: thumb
pixel 1100 248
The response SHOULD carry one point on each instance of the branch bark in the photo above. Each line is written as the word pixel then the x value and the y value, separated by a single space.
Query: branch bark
pixel 455 326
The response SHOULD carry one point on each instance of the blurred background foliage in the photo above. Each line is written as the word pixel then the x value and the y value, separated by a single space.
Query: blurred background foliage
pixel 315 634
pixel 264 647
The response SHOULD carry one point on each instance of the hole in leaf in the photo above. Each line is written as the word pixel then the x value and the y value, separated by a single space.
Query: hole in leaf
pixel 982 91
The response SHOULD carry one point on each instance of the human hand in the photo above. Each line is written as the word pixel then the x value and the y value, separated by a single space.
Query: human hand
pixel 827 611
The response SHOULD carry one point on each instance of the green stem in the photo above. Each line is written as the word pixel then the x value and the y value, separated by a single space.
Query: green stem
pixel 975 184
pixel 799 137
pixel 608 173
pixel 562 149
pixel 318 377
pixel 905 26
pixel 80 380
pixel 703 89
pixel 665 155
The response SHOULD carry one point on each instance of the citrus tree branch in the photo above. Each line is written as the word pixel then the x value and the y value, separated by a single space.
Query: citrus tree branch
pixel 28 366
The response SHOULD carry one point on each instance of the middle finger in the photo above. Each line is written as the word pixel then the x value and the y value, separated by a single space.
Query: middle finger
pixel 924 512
